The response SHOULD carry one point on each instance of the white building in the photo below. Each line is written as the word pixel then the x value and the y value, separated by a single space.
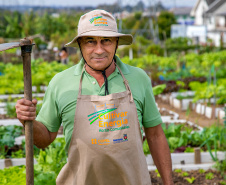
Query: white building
pixel 198 33
pixel 183 15
pixel 212 14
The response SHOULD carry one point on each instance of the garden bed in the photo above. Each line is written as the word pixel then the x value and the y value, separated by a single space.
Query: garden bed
pixel 184 102
pixel 15 96
pixel 189 158
pixel 19 140
pixel 5 163
pixel 203 178
pixel 8 110
pixel 168 115
pixel 185 123
pixel 7 122
pixel 210 111
pixel 4 116
pixel 190 115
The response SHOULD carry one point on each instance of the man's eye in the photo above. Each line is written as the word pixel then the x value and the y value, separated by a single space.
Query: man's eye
pixel 90 41
pixel 106 41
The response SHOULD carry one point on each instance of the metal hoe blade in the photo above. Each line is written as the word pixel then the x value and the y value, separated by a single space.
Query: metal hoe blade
pixel 7 46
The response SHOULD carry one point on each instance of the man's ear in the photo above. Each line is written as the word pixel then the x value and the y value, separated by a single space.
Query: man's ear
pixel 116 47
pixel 117 44
pixel 79 44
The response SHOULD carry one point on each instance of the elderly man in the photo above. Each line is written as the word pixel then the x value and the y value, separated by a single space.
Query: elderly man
pixel 103 105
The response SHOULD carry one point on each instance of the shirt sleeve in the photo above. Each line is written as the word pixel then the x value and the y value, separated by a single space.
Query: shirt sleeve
pixel 151 115
pixel 49 113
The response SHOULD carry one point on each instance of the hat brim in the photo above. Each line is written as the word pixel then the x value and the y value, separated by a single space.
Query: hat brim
pixel 124 39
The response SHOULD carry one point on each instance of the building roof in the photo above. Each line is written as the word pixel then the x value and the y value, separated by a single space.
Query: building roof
pixel 215 5
pixel 195 8
pixel 181 10
pixel 208 2
pixel 222 14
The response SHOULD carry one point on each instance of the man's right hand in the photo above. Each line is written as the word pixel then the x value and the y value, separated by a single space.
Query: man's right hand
pixel 26 110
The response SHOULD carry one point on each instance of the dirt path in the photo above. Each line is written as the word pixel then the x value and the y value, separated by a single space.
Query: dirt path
pixel 191 116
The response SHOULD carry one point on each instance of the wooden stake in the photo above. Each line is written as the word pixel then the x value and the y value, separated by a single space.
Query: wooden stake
pixel 8 163
pixel 213 112
pixel 197 156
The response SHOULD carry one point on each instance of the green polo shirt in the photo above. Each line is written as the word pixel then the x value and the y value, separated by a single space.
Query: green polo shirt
pixel 61 96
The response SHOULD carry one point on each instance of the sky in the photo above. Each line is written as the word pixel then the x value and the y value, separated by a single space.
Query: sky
pixel 166 3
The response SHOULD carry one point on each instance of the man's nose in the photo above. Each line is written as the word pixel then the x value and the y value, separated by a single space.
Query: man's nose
pixel 99 48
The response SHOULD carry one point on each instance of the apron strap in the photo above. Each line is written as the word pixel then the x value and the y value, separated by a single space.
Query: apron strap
pixel 126 83
pixel 124 80
pixel 80 83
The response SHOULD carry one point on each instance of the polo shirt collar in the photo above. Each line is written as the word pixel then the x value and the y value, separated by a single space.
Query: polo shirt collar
pixel 122 66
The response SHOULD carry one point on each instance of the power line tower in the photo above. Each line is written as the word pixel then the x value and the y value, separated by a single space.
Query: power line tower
pixel 151 23
pixel 119 2
pixel 153 16
pixel 156 40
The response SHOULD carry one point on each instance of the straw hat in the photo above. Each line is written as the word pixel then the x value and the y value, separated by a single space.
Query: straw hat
pixel 101 24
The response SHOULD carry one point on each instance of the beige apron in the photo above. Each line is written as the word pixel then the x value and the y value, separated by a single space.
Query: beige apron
pixel 106 145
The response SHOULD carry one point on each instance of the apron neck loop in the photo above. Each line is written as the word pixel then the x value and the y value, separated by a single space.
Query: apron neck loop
pixel 104 75
pixel 106 82
pixel 126 83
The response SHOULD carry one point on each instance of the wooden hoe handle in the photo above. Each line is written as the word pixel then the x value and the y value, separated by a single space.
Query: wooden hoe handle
pixel 26 55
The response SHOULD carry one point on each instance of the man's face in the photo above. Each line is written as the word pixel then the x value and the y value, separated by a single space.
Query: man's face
pixel 98 52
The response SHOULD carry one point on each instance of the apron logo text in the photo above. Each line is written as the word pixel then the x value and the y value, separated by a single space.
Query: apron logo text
pixel 120 140
pixel 113 129
pixel 113 123
pixel 98 114
pixel 108 117
pixel 100 141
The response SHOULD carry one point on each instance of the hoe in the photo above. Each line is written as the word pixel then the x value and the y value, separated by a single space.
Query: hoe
pixel 26 49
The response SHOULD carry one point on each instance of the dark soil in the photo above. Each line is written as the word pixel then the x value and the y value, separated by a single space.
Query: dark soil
pixel 3 116
pixel 166 113
pixel 200 178
pixel 15 148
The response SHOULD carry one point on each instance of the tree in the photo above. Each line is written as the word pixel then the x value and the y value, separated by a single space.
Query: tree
pixel 165 20
pixel 29 22
pixel 48 25
pixel 138 15
pixel 13 26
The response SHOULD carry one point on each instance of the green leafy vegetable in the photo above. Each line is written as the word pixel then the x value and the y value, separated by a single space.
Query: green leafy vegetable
pixel 209 176
pixel 190 180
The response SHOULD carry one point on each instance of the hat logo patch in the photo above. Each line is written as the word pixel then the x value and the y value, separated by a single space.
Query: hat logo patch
pixel 99 21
